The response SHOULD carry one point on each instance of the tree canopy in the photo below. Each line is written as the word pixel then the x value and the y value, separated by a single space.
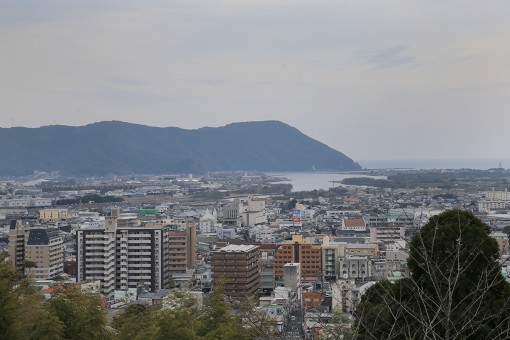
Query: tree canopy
pixel 26 314
pixel 455 288
pixel 71 314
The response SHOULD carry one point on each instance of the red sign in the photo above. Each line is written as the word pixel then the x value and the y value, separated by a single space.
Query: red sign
pixel 296 219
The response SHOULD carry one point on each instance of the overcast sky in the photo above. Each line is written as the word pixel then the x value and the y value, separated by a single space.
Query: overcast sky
pixel 397 79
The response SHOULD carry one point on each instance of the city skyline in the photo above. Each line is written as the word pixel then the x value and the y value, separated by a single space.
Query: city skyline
pixel 405 80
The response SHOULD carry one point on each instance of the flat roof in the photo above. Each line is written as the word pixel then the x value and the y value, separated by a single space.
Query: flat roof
pixel 237 248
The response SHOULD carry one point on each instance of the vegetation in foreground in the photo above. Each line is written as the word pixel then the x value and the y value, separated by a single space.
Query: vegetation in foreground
pixel 70 314
pixel 455 289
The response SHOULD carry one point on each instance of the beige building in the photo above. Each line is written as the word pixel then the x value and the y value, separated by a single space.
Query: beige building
pixel 53 214
pixel 331 253
pixel 488 206
pixel 44 247
pixel 497 195
pixel 253 211
pixel 365 249
pixel 249 213
pixel 502 240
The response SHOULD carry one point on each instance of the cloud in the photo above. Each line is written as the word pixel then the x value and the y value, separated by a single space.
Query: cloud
pixel 310 63
pixel 387 58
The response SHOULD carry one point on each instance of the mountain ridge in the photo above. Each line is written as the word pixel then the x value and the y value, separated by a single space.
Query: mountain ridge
pixel 120 148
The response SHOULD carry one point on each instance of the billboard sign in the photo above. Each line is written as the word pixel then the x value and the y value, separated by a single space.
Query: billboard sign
pixel 296 216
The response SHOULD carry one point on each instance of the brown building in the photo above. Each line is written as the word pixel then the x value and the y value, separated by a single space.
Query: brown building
pixel 298 251
pixel 238 267
pixel 17 244
pixel 312 299
pixel 181 250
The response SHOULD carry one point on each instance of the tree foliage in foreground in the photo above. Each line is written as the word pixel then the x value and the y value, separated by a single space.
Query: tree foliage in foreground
pixel 25 314
pixel 455 289
pixel 180 319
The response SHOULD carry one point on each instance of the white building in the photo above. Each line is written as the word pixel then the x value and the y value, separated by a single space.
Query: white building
pixel 25 202
pixel 488 206
pixel 208 222
pixel 124 257
pixel 497 195
pixel 253 211
pixel 355 267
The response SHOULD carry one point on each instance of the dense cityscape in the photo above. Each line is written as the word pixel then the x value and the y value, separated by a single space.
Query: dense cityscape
pixel 304 259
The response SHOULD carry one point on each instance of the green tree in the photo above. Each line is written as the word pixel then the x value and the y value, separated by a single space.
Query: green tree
pixel 180 317
pixel 22 312
pixel 506 230
pixel 82 315
pixel 455 289
pixel 291 204
pixel 339 327
pixel 137 322
pixel 38 321
pixel 12 288
pixel 257 323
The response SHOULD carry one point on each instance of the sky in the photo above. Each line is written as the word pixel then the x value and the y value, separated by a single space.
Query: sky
pixel 376 80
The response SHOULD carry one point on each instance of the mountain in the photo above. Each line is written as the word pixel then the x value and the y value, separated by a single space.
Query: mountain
pixel 122 148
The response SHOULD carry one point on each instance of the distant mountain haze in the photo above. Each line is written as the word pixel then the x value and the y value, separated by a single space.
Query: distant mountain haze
pixel 122 148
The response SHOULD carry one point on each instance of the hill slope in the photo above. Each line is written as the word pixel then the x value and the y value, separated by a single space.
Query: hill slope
pixel 123 148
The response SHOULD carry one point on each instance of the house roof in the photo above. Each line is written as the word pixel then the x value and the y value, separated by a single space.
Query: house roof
pixel 40 236
pixel 354 222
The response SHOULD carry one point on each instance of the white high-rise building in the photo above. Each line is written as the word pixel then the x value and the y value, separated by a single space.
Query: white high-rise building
pixel 95 254
pixel 133 256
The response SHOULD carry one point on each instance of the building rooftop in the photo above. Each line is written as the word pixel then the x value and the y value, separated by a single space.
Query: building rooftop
pixel 237 248
pixel 41 236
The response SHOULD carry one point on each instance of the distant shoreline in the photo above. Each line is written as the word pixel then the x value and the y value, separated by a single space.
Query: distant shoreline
pixel 428 164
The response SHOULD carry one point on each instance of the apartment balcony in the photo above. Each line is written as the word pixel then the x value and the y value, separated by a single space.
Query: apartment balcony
pixel 138 278
pixel 139 254
pixel 140 247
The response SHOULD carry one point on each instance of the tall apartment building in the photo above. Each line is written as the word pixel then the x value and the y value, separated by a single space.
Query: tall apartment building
pixel 298 251
pixel 17 244
pixel 128 257
pixel 238 267
pixel 42 246
pixel 181 249
pixel 331 253
pixel 95 254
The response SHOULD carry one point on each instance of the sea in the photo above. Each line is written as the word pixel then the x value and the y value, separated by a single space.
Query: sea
pixel 308 181
pixel 481 164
